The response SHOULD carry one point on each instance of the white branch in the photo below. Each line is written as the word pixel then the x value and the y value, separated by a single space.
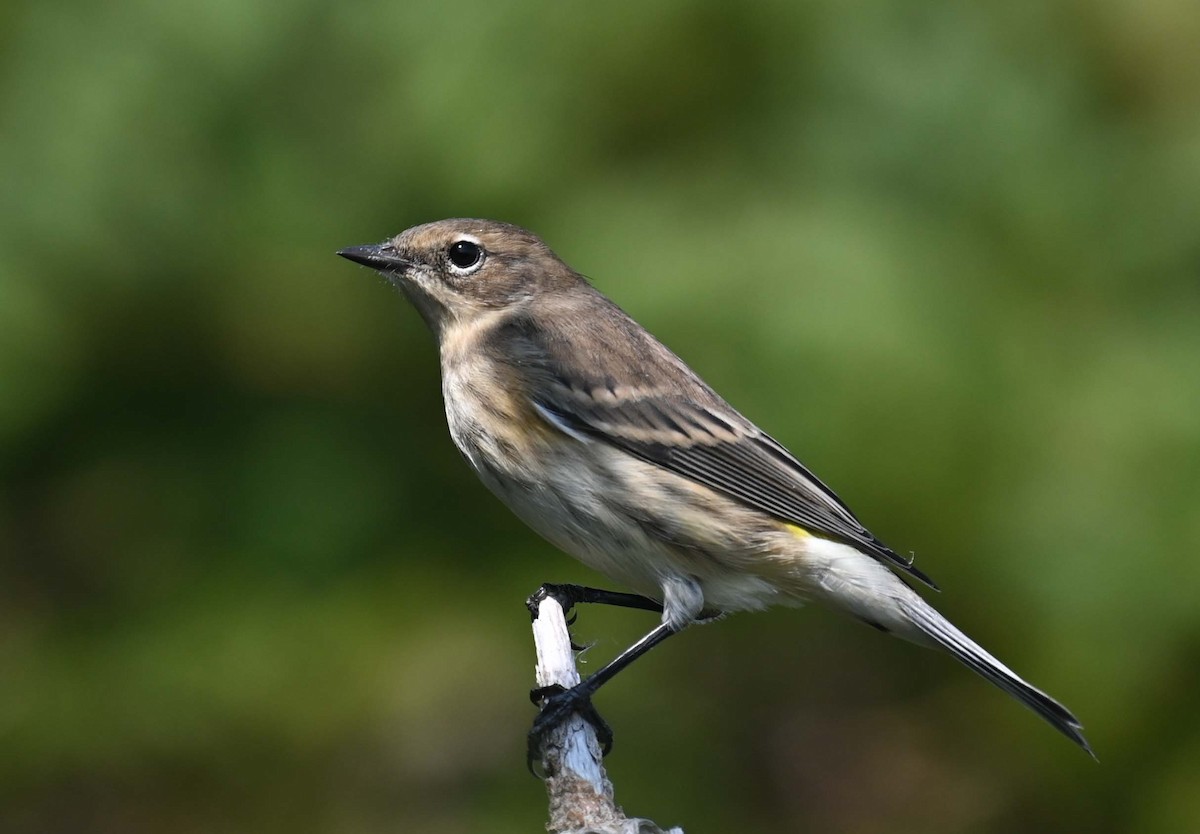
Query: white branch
pixel 581 797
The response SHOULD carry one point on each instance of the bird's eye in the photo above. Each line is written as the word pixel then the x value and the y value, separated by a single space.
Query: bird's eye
pixel 465 254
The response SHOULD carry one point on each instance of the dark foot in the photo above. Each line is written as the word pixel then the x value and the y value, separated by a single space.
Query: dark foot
pixel 567 596
pixel 558 704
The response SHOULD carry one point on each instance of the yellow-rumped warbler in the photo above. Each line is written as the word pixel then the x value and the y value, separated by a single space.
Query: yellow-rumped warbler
pixel 607 444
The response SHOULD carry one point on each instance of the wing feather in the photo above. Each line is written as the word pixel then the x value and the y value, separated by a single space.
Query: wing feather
pixel 717 448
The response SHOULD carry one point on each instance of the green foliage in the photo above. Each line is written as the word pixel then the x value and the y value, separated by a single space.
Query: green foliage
pixel 945 252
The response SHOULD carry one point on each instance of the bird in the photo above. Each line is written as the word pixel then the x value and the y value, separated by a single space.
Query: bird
pixel 608 445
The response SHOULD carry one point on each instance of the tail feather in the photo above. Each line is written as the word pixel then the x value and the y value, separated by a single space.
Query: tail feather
pixel 942 633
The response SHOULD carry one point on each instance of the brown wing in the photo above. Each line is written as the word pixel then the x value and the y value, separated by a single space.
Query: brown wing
pixel 717 448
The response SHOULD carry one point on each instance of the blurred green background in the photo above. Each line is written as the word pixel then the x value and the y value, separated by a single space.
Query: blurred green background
pixel 948 253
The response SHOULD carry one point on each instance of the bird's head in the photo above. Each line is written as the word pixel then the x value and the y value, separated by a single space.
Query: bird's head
pixel 454 271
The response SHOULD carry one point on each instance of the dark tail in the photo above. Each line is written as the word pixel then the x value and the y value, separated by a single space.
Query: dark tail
pixel 938 630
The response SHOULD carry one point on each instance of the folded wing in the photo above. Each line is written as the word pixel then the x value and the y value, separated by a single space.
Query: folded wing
pixel 718 448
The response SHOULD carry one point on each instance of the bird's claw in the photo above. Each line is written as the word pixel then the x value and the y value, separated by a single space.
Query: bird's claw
pixel 558 704
pixel 565 595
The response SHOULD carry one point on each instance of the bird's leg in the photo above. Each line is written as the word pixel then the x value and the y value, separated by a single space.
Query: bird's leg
pixel 558 703
pixel 570 595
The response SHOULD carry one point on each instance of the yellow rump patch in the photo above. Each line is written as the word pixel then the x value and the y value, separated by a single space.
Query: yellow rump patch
pixel 798 532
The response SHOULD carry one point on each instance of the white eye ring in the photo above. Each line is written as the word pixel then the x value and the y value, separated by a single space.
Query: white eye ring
pixel 465 255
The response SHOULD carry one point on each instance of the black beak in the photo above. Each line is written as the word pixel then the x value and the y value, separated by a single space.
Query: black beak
pixel 375 255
